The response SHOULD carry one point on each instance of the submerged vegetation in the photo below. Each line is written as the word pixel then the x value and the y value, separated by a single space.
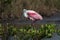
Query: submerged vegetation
pixel 28 32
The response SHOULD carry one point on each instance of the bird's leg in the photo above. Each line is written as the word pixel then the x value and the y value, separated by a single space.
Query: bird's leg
pixel 27 19
pixel 32 24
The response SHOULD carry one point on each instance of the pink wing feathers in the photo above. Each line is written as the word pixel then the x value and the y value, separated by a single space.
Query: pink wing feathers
pixel 35 15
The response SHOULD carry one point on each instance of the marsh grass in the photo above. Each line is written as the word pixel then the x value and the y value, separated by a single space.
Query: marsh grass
pixel 15 7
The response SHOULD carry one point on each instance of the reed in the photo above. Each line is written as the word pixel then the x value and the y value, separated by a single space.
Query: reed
pixel 15 7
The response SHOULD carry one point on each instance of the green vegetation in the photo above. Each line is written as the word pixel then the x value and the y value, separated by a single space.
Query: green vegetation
pixel 58 31
pixel 27 32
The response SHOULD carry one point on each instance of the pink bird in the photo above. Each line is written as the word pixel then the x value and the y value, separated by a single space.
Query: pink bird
pixel 32 15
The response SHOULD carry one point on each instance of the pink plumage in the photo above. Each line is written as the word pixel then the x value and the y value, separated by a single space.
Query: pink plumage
pixel 32 15
pixel 35 16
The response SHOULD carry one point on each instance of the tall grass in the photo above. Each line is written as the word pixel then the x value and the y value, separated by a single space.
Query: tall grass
pixel 44 7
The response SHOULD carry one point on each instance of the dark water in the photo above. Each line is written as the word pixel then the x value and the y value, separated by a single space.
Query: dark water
pixel 53 19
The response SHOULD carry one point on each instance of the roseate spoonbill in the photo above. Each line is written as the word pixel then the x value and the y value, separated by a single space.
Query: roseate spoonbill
pixel 32 15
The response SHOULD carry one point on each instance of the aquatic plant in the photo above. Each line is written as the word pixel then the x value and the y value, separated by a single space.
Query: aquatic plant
pixel 50 29
pixel 58 31
pixel 29 32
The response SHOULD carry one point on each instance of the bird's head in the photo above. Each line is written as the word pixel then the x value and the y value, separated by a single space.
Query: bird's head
pixel 24 10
